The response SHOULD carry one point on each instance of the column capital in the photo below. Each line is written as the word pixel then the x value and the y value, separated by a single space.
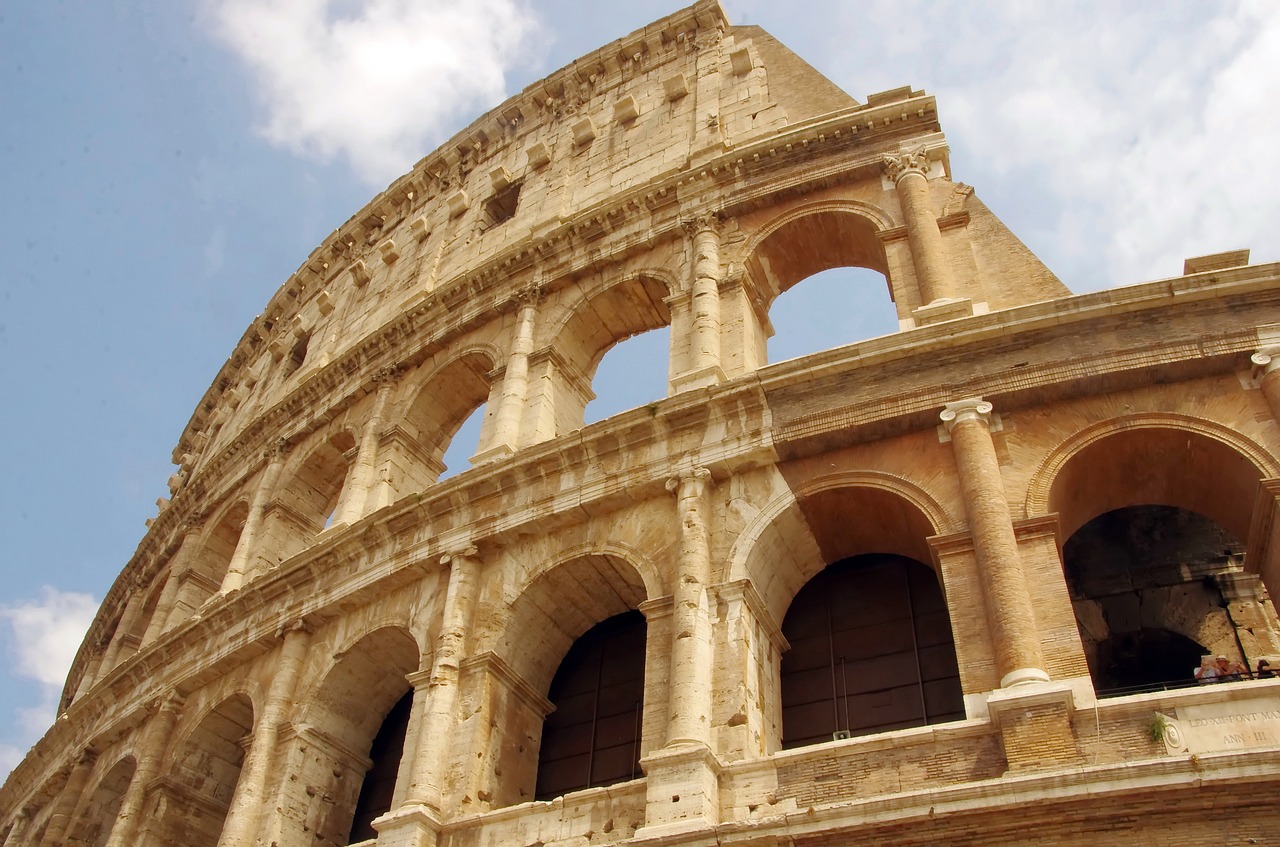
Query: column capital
pixel 1265 360
pixel 691 481
pixel 468 552
pixel 296 625
pixel 906 162
pixel 386 376
pixel 703 222
pixel 172 702
pixel 971 408
pixel 277 450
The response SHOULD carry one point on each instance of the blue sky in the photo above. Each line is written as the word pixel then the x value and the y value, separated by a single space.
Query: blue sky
pixel 165 166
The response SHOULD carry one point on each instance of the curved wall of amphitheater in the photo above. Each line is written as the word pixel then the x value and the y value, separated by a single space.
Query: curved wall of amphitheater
pixel 1070 488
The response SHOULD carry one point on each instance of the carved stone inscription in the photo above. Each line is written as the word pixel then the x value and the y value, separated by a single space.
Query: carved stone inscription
pixel 1218 727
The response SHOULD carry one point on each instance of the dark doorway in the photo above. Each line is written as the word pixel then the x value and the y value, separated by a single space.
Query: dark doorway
pixel 378 788
pixel 1145 659
pixel 593 736
pixel 871 650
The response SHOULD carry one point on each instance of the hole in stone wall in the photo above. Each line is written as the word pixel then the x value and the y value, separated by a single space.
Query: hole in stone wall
pixel 631 374
pixel 502 205
pixel 463 445
pixel 297 355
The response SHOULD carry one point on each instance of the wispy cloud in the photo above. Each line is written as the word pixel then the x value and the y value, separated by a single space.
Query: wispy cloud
pixel 1124 138
pixel 44 636
pixel 377 82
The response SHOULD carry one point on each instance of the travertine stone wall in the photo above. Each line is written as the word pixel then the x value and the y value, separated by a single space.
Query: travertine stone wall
pixel 311 569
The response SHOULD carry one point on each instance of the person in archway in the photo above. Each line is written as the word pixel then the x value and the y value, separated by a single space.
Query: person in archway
pixel 1264 670
pixel 1208 671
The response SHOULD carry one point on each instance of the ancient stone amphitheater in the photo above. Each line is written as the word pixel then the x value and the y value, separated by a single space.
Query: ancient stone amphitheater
pixel 947 586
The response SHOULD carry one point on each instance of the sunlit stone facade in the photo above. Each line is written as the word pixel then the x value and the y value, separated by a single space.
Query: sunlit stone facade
pixel 946 586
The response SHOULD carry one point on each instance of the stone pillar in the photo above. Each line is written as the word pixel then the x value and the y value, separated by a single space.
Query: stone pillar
pixel 417 822
pixel 505 439
pixel 704 367
pixel 149 756
pixel 909 171
pixel 238 570
pixel 1267 369
pixel 68 799
pixel 1008 603
pixel 682 791
pixel 363 476
pixel 241 826
pixel 128 622
pixel 18 832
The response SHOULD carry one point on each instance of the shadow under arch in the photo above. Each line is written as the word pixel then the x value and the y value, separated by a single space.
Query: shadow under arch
pixel 830 518
pixel 445 396
pixel 1165 459
pixel 98 813
pixel 815 237
pixel 604 315
pixel 345 715
pixel 202 776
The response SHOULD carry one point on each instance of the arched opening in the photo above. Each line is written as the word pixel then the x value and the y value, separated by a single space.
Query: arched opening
pixel 1147 585
pixel 832 308
pixel 837 255
pixel 350 744
pixel 444 423
pixel 98 814
pixel 632 373
pixel 378 789
pixel 1156 520
pixel 871 651
pixel 463 444
pixel 311 496
pixel 203 777
pixel 553 614
pixel 600 324
pixel 203 577
pixel 592 738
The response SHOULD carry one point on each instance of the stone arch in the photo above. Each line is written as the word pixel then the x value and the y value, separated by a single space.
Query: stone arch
pixel 603 315
pixel 431 415
pixel 203 772
pixel 562 600
pixel 803 528
pixel 205 570
pixel 309 490
pixel 98 812
pixel 1216 473
pixel 815 237
pixel 342 716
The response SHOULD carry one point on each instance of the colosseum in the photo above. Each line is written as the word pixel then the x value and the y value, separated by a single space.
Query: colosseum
pixel 997 578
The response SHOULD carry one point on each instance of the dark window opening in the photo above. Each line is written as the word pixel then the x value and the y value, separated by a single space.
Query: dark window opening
pixel 1143 580
pixel 871 651
pixel 298 354
pixel 502 206
pixel 378 788
pixel 593 736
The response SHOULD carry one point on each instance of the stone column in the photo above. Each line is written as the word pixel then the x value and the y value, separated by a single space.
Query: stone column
pixel 416 820
pixel 18 832
pixel 1267 368
pixel 909 171
pixel 169 594
pixel 128 622
pixel 149 756
pixel 682 790
pixel 690 719
pixel 704 366
pixel 430 760
pixel 68 799
pixel 363 476
pixel 238 570
pixel 1004 587
pixel 515 382
pixel 241 826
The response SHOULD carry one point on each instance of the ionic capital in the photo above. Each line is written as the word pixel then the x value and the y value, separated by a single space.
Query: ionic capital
pixel 385 377
pixel 297 625
pixel 969 409
pixel 905 163
pixel 1265 360
pixel 461 554
pixel 691 482
pixel 277 450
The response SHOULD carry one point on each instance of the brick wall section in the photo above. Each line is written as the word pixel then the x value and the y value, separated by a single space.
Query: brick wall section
pixel 862 773
pixel 1039 737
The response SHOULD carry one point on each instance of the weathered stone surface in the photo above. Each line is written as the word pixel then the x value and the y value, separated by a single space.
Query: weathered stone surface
pixel 311 576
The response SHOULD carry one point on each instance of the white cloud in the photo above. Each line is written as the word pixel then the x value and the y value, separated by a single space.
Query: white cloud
pixel 1125 136
pixel 378 82
pixel 45 634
